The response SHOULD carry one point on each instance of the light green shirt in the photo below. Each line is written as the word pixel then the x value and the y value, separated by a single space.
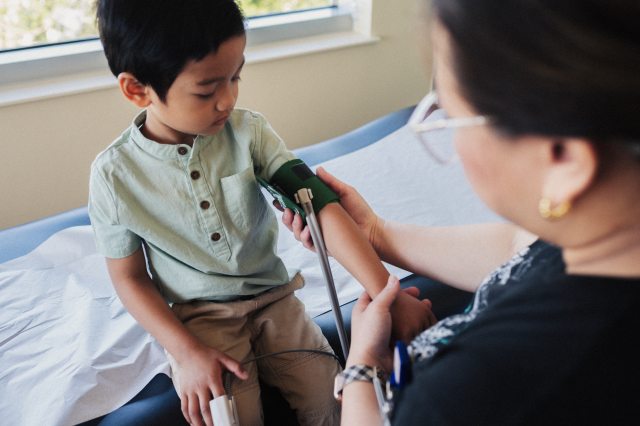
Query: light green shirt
pixel 208 231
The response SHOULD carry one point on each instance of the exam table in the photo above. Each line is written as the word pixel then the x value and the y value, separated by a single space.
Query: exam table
pixel 157 403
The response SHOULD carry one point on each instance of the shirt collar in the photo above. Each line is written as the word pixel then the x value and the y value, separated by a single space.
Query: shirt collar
pixel 163 150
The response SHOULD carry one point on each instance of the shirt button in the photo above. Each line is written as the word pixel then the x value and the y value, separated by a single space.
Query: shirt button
pixel 182 150
pixel 205 205
pixel 215 236
pixel 195 175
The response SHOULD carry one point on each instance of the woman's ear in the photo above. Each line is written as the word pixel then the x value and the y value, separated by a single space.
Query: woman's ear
pixel 133 90
pixel 572 167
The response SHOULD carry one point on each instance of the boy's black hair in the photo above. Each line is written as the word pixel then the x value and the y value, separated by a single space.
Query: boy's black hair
pixel 549 67
pixel 154 39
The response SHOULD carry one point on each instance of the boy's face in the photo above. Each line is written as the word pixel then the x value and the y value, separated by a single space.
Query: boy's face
pixel 200 99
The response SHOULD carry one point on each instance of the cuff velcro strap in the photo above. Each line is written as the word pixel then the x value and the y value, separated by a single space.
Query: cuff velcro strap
pixel 294 175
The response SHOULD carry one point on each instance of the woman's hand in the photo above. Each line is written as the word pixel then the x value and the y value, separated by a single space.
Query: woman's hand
pixel 371 328
pixel 200 379
pixel 362 214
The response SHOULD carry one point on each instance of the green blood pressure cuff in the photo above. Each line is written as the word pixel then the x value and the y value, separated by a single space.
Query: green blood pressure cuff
pixel 294 175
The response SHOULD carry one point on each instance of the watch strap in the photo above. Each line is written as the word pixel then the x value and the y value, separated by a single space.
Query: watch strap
pixel 355 373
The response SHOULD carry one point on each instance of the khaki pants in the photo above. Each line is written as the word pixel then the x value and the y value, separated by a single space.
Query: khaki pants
pixel 271 322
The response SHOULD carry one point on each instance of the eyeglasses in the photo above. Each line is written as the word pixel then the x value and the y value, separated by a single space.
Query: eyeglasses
pixel 429 118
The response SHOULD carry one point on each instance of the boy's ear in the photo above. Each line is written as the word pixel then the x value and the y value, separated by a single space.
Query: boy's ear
pixel 133 90
pixel 573 165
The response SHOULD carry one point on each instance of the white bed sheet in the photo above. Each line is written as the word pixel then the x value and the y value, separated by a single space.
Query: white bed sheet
pixel 69 352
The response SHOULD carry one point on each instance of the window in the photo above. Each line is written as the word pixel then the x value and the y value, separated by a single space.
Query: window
pixel 30 23
pixel 50 48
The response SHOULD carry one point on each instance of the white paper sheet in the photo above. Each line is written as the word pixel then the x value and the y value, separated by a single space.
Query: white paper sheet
pixel 69 352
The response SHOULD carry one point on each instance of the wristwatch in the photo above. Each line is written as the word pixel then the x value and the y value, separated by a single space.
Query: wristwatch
pixel 355 373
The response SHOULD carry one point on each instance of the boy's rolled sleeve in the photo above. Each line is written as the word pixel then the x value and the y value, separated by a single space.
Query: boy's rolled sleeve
pixel 270 150
pixel 113 240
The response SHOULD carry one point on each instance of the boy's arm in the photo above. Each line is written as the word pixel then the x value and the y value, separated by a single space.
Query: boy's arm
pixel 350 247
pixel 459 255
pixel 200 366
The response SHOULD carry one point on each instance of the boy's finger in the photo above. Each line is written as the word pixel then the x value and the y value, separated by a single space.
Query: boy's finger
pixel 287 218
pixel 195 418
pixel 412 291
pixel 305 237
pixel 205 410
pixel 235 367
pixel 277 205
pixel 297 224
pixel 184 406
pixel 215 385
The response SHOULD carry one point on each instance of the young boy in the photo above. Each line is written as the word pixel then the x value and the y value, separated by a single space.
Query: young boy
pixel 188 237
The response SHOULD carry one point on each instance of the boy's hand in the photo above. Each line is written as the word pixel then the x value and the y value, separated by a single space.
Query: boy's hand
pixel 295 224
pixel 200 380
pixel 410 315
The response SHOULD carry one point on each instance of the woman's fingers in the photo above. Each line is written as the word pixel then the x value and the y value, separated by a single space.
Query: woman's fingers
pixel 383 300
pixel 362 302
pixel 333 182
pixel 388 295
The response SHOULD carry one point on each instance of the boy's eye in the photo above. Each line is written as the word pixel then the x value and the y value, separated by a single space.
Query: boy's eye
pixel 236 78
pixel 204 95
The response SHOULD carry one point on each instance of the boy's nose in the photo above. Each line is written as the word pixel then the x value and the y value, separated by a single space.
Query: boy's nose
pixel 227 98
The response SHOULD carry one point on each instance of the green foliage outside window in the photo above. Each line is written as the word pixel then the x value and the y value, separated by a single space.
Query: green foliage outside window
pixel 25 23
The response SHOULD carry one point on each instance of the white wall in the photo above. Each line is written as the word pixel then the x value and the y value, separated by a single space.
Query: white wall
pixel 48 145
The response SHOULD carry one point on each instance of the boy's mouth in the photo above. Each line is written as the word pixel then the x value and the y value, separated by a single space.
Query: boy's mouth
pixel 222 120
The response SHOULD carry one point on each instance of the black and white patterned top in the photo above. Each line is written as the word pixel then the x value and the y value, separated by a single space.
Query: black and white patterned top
pixel 428 342
pixel 536 346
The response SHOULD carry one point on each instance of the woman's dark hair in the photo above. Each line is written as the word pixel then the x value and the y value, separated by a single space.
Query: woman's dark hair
pixel 549 67
pixel 154 39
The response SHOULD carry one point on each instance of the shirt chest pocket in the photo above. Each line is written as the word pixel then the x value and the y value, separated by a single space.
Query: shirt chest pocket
pixel 245 204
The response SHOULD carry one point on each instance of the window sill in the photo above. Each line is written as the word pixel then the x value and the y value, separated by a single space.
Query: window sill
pixel 305 46
pixel 39 89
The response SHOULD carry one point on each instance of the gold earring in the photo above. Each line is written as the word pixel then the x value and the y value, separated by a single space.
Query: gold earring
pixel 553 213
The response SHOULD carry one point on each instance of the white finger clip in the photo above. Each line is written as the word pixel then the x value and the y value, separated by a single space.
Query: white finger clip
pixel 223 411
